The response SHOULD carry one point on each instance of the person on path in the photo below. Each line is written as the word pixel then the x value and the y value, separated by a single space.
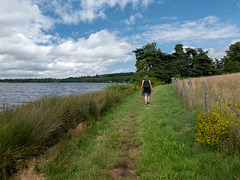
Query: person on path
pixel 146 89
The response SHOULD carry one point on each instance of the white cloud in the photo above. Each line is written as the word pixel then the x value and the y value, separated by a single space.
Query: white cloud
pixel 217 53
pixel 234 41
pixel 21 56
pixel 122 70
pixel 91 55
pixel 133 19
pixel 21 36
pixel 169 18
pixel 25 18
pixel 145 3
pixel 26 50
pixel 207 28
pixel 71 11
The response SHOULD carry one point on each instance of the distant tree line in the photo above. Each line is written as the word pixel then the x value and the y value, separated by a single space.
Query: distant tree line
pixel 105 78
pixel 184 62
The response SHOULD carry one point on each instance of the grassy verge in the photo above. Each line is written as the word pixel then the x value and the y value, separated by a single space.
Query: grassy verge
pixel 106 151
pixel 28 130
pixel 168 150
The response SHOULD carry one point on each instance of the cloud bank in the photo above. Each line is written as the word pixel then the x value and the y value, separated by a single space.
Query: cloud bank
pixel 74 11
pixel 133 19
pixel 28 50
pixel 208 28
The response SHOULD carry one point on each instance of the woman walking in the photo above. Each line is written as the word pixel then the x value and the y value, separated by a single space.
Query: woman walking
pixel 146 87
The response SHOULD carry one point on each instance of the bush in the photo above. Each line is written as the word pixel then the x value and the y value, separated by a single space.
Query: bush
pixel 154 81
pixel 219 129
pixel 128 88
pixel 178 76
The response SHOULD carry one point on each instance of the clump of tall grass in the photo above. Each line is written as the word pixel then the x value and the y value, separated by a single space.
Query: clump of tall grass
pixel 27 130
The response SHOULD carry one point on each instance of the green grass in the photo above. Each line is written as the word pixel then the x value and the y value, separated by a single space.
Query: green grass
pixel 30 129
pixel 103 149
pixel 168 150
pixel 132 141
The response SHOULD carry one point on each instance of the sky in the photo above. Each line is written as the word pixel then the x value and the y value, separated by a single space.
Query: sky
pixel 72 38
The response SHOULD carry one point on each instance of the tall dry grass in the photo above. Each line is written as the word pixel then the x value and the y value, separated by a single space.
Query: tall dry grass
pixel 27 130
pixel 225 87
pixel 221 127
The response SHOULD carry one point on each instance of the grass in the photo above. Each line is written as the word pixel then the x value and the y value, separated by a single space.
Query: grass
pixel 225 85
pixel 105 151
pixel 220 87
pixel 30 129
pixel 168 150
pixel 132 141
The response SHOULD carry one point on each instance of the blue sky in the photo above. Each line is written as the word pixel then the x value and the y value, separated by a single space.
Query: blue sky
pixel 63 38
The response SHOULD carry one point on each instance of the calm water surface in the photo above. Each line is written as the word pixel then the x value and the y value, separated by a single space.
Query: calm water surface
pixel 19 93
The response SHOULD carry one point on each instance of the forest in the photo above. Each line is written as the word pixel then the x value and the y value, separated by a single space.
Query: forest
pixel 184 62
pixel 104 78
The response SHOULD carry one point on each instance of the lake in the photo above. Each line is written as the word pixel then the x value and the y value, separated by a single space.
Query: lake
pixel 20 93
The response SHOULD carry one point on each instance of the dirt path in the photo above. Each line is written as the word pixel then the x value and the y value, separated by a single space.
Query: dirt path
pixel 127 131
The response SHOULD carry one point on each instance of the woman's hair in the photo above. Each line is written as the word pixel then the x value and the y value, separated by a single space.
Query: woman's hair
pixel 146 76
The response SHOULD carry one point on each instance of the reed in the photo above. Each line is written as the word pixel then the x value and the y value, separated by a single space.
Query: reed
pixel 28 130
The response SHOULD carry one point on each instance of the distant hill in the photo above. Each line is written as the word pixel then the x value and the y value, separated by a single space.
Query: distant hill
pixel 104 78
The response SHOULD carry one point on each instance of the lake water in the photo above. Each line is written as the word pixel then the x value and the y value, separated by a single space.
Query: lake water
pixel 19 93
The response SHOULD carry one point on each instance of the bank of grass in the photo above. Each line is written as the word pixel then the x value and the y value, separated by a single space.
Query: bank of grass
pixel 28 130
pixel 104 151
pixel 132 141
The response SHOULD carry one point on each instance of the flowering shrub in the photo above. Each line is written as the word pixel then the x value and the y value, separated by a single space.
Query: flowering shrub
pixel 219 128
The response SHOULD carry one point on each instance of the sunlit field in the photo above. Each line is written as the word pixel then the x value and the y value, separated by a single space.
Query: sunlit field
pixel 221 127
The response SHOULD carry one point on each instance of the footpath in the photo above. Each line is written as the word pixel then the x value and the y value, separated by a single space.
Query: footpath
pixel 134 141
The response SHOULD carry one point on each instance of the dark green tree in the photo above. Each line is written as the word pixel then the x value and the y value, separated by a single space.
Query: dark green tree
pixel 219 66
pixel 145 57
pixel 233 53
pixel 180 61
pixel 202 64
pixel 163 67
pixel 147 61
pixel 190 53
pixel 232 66
pixel 186 62
pixel 232 59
